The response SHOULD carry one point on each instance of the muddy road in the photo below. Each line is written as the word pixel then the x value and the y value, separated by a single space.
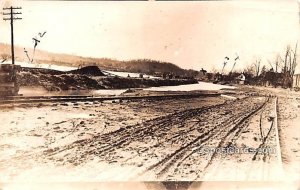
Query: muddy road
pixel 194 139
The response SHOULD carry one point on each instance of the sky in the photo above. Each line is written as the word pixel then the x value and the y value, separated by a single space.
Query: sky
pixel 192 35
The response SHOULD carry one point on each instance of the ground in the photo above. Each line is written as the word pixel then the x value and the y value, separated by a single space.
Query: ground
pixel 175 139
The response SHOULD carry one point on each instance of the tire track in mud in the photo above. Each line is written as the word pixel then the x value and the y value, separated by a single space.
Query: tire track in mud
pixel 179 156
pixel 266 138
pixel 268 104
pixel 160 127
pixel 219 121
pixel 234 133
pixel 221 144
pixel 124 136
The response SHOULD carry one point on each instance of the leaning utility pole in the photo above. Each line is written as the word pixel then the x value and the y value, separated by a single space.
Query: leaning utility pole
pixel 12 18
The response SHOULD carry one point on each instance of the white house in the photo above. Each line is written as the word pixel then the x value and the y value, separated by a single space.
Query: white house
pixel 241 78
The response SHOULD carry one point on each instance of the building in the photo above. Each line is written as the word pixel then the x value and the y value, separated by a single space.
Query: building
pixel 241 79
pixel 8 81
pixel 296 81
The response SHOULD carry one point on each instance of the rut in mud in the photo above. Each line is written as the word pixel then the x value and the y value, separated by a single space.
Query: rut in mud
pixel 165 146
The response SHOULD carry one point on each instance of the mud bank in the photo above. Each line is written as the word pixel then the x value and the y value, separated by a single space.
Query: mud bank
pixel 89 79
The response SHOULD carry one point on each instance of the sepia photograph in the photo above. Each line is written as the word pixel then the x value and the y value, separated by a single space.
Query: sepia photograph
pixel 166 95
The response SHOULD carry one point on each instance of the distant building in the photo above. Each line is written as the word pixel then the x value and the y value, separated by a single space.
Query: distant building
pixel 296 81
pixel 241 78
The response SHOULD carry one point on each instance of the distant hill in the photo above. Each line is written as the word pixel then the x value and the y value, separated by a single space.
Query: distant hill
pixel 143 65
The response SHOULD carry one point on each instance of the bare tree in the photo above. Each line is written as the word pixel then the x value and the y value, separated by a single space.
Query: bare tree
pixel 214 70
pixel 294 62
pixel 250 70
pixel 276 65
pixel 263 70
pixel 289 65
pixel 287 54
pixel 289 61
pixel 271 65
pixel 257 67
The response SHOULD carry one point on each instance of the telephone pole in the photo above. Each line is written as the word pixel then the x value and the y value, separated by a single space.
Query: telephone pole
pixel 12 18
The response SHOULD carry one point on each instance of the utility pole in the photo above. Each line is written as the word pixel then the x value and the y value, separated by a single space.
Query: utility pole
pixel 12 18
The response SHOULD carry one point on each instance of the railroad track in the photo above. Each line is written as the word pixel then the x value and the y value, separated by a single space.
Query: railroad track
pixel 15 100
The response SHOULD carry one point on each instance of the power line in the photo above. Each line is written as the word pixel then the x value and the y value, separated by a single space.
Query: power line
pixel 13 16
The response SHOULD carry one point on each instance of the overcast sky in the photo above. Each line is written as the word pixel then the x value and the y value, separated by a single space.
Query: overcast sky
pixel 191 34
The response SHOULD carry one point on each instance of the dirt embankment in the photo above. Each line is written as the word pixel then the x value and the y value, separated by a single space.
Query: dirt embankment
pixel 88 78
